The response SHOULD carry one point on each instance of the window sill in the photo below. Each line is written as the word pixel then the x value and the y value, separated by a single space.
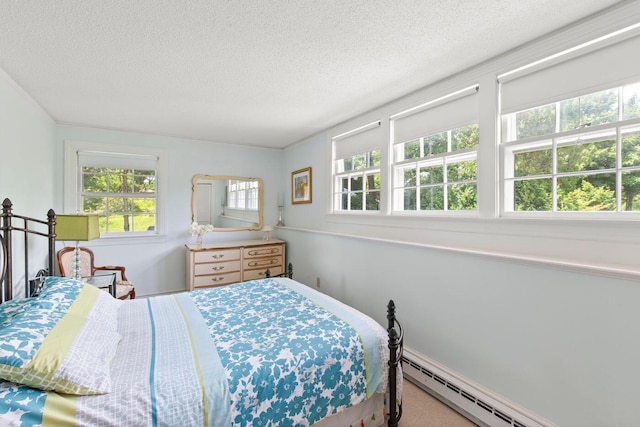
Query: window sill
pixel 129 240
pixel 589 245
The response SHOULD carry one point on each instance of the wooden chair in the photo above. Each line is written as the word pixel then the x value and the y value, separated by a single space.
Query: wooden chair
pixel 66 256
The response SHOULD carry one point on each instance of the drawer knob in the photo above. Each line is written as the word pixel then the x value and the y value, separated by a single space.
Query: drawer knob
pixel 218 268
pixel 217 256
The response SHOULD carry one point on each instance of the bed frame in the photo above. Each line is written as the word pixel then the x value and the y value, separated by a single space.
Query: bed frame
pixel 7 228
pixel 28 226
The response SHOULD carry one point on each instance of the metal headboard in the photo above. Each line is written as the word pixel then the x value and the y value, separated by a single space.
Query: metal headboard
pixel 7 228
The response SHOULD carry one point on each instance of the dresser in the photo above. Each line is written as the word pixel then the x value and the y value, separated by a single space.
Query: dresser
pixel 230 262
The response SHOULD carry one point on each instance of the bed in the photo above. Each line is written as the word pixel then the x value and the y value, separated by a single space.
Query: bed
pixel 268 352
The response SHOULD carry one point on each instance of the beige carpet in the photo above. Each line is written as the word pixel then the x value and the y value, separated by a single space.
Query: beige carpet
pixel 420 409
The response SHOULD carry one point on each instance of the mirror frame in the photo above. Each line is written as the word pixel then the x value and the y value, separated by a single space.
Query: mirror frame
pixel 194 198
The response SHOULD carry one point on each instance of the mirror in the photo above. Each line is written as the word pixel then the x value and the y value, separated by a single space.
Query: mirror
pixel 230 203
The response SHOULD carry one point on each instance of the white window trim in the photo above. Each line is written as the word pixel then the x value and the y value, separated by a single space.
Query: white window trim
pixel 71 190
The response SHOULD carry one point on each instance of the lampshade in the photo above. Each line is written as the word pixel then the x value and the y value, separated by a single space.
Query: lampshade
pixel 77 227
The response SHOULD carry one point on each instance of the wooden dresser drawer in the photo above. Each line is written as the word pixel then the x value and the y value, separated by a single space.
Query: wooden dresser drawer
pixel 217 267
pixel 217 255
pixel 263 263
pixel 261 274
pixel 216 279
pixel 262 251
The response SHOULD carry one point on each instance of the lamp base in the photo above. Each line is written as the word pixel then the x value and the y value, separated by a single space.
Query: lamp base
pixel 76 263
pixel 280 218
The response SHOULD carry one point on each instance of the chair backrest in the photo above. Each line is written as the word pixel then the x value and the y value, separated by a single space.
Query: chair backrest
pixel 66 261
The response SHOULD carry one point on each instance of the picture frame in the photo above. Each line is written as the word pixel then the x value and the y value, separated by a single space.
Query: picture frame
pixel 301 186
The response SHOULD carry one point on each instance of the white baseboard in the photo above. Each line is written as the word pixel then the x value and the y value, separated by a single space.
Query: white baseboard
pixel 475 402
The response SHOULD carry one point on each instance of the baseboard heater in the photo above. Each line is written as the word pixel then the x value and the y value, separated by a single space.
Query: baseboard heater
pixel 471 400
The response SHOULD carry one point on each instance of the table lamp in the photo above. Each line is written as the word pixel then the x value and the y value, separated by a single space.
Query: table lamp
pixel 78 228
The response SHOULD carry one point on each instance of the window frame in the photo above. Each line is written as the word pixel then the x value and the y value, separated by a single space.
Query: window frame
pixel 441 159
pixel 73 188
pixel 349 175
pixel 510 146
pixel 349 144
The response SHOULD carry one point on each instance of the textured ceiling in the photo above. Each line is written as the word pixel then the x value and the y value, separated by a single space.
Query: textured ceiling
pixel 256 72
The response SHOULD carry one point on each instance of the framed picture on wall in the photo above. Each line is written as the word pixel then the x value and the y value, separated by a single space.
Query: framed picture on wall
pixel 301 186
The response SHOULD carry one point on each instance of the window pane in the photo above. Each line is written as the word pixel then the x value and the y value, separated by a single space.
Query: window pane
pixel 144 183
pixel 144 222
pixel 536 122
pixel 533 195
pixel 570 114
pixel 631 191
pixel 462 197
pixel 114 224
pixel 374 158
pixel 144 205
pixel 356 201
pixel 431 175
pixel 600 107
pixel 589 110
pixel 360 161
pixel 462 171
pixel 345 201
pixel 356 183
pixel 348 164
pixel 435 144
pixel 93 182
pixel 345 184
pixel 94 205
pixel 410 199
pixel 409 150
pixel 373 181
pixel 631 102
pixel 587 156
pixel 465 137
pixel 373 201
pixel 631 149
pixel 587 193
pixel 531 163
pixel 432 198
pixel 409 177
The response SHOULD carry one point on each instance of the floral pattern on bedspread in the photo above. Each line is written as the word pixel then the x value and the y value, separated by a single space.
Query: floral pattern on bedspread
pixel 20 405
pixel 288 361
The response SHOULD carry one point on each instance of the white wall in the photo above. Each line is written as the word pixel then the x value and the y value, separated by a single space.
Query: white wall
pixel 159 267
pixel 26 167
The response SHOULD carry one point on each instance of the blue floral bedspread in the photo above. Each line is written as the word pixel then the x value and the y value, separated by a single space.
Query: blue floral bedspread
pixel 269 352
pixel 288 360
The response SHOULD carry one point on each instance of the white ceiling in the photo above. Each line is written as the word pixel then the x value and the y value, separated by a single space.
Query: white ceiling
pixel 256 72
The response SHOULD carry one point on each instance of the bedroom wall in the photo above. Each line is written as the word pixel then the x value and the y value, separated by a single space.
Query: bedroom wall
pixel 554 331
pixel 26 167
pixel 159 267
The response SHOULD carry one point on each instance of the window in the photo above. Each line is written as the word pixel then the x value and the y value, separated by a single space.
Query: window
pixel 578 154
pixel 571 134
pixel 118 184
pixel 435 155
pixel 243 195
pixel 357 169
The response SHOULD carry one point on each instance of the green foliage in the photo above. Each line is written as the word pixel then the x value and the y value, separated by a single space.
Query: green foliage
pixel 588 198
pixel 123 198
pixel 591 191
